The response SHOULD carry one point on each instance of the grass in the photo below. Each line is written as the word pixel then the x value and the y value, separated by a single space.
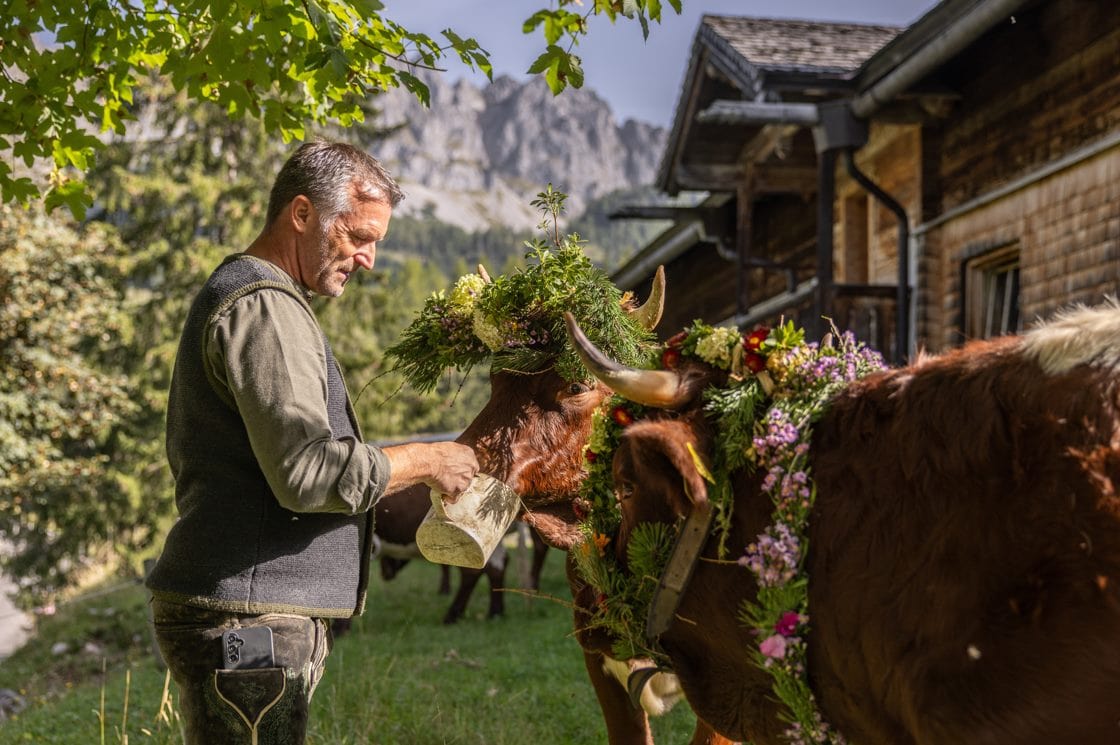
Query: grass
pixel 400 677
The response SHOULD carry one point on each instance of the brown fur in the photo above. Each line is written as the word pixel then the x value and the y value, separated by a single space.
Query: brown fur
pixel 964 558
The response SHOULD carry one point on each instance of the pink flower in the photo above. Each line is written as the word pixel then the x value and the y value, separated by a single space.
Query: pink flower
pixel 774 647
pixel 787 624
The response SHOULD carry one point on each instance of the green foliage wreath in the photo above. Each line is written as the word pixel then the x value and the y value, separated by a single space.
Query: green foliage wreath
pixel 516 320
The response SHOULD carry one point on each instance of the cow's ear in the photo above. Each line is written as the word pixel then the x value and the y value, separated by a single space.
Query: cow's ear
pixel 680 444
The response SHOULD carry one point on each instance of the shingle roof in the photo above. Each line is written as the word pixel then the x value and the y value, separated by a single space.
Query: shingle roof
pixel 809 46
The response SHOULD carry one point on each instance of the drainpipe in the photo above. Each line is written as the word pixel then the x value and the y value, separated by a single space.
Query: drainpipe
pixel 836 130
pixel 826 195
pixel 902 298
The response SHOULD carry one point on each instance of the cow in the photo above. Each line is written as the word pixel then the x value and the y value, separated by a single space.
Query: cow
pixel 963 547
pixel 531 434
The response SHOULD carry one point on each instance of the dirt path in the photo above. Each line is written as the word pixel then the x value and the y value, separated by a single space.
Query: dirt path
pixel 13 623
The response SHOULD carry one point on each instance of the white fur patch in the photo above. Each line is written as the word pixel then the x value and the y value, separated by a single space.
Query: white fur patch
pixel 661 692
pixel 1077 336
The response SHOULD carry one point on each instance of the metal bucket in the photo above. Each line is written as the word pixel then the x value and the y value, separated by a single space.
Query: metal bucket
pixel 466 532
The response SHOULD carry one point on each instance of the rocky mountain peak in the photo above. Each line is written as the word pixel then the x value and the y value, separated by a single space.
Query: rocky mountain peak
pixel 477 156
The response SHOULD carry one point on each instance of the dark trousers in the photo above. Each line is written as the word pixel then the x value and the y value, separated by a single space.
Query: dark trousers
pixel 265 706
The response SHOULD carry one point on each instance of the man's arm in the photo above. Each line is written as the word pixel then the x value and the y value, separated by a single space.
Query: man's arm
pixel 447 467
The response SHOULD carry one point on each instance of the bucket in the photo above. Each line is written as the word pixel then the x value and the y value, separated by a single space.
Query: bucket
pixel 466 532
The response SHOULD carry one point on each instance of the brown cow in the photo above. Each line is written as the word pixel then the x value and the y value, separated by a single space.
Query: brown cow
pixel 964 547
pixel 531 434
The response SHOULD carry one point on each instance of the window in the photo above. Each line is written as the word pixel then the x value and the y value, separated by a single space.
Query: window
pixel 991 293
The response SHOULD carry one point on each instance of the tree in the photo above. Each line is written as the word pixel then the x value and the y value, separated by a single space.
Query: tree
pixel 71 474
pixel 69 70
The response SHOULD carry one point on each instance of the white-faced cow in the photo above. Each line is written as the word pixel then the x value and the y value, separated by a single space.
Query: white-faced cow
pixel 963 554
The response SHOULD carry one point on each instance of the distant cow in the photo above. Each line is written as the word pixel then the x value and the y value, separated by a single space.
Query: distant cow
pixel 398 517
pixel 964 547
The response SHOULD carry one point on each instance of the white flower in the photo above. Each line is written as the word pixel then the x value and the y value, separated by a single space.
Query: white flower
pixel 715 348
pixel 488 332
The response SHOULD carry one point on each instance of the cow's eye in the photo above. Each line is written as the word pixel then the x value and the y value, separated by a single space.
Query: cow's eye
pixel 624 490
pixel 575 389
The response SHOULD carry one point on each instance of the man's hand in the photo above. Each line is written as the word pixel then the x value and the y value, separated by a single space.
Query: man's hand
pixel 447 467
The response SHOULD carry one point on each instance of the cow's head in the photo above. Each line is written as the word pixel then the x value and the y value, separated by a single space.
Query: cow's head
pixel 531 434
pixel 655 469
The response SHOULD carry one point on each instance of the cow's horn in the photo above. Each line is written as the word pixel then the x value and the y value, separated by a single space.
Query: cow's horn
pixel 649 314
pixel 662 389
pixel 484 274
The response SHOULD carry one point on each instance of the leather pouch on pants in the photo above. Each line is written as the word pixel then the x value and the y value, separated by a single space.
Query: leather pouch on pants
pixel 251 696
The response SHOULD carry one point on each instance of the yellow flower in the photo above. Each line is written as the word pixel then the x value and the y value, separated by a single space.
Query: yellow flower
pixel 601 542
pixel 466 292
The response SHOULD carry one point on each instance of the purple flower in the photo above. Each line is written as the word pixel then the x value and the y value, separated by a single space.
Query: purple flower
pixel 774 556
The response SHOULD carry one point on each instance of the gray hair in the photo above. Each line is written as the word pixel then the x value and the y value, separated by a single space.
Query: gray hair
pixel 322 171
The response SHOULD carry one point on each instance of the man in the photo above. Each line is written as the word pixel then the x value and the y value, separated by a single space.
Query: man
pixel 274 487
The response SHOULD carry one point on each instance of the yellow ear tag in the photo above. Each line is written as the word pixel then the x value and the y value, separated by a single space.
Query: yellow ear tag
pixel 700 467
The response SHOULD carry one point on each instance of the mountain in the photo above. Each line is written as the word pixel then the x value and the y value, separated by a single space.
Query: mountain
pixel 476 157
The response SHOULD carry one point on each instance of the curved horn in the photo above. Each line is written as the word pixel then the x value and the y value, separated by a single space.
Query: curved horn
pixel 482 273
pixel 650 312
pixel 662 389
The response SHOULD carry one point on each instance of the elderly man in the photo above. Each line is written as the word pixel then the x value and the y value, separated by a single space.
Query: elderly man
pixel 274 486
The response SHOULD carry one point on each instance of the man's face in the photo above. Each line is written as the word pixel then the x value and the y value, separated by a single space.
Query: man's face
pixel 333 253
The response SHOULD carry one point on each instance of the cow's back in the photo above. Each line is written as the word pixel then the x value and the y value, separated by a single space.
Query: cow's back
pixel 965 553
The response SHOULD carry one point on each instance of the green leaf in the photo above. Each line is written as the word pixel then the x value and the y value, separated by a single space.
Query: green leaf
pixel 533 21
pixel 417 87
pixel 71 193
pixel 548 60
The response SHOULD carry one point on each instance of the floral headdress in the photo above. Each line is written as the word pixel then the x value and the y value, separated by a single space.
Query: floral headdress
pixel 777 387
pixel 516 320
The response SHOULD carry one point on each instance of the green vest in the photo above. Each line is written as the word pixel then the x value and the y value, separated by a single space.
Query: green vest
pixel 234 547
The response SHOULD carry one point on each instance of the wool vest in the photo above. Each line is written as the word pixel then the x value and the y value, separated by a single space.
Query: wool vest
pixel 234 547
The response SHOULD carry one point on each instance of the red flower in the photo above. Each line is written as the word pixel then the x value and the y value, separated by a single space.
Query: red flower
pixel 788 623
pixel 752 342
pixel 579 507
pixel 590 455
pixel 677 339
pixel 754 362
pixel 621 416
pixel 670 358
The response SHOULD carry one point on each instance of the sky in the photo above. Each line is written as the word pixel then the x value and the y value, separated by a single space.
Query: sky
pixel 640 79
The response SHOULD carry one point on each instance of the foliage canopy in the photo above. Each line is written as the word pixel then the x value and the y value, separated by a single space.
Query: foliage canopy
pixel 69 71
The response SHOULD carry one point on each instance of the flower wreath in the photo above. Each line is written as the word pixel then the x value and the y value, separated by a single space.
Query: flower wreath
pixel 516 320
pixel 778 386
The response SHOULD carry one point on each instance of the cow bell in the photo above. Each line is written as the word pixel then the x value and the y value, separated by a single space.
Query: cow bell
pixel 465 532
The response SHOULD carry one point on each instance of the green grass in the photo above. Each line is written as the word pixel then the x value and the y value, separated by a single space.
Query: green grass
pixel 399 677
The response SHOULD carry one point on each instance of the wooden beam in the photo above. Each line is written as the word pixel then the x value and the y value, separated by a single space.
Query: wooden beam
pixel 708 176
pixel 781 178
pixel 769 140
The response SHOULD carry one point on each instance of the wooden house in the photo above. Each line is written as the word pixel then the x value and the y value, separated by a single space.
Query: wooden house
pixel 922 186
